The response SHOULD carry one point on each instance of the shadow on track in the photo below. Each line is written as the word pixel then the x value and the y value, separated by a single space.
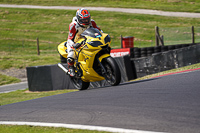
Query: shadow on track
pixel 139 81
pixel 125 83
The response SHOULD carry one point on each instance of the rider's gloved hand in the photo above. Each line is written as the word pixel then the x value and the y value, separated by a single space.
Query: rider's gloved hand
pixel 77 45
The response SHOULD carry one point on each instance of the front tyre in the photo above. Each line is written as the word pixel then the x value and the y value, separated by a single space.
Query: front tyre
pixel 112 75
pixel 79 84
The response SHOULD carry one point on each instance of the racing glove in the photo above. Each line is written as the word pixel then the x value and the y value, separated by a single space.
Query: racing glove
pixel 77 45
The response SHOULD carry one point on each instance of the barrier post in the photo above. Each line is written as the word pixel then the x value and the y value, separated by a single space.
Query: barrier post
pixel 156 35
pixel 193 37
pixel 158 38
pixel 38 47
pixel 121 41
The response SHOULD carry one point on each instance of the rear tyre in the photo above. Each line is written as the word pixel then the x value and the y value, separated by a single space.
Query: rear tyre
pixel 112 75
pixel 79 84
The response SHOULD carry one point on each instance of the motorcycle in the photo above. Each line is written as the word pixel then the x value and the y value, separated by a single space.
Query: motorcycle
pixel 93 62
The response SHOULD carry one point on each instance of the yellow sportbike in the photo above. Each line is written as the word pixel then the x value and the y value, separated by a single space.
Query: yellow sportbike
pixel 93 62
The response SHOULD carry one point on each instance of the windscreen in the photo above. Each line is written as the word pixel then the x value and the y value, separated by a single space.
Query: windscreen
pixel 92 32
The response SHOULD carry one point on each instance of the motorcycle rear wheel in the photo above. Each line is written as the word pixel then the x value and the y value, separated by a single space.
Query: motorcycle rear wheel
pixel 79 84
pixel 113 75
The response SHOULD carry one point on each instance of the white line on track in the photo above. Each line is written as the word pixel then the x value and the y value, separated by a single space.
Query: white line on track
pixel 75 126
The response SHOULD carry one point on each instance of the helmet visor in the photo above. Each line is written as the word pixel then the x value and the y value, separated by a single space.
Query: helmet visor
pixel 85 21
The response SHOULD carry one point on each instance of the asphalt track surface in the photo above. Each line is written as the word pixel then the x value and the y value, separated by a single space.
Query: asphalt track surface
pixel 163 104
pixel 125 10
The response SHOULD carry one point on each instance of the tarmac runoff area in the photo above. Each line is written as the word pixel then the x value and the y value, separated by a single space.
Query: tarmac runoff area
pixel 125 10
pixel 13 87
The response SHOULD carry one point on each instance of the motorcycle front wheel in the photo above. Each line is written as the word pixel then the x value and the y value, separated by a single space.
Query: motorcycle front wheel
pixel 112 75
pixel 79 84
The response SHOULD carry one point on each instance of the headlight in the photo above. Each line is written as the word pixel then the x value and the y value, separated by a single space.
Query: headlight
pixel 95 43
pixel 107 39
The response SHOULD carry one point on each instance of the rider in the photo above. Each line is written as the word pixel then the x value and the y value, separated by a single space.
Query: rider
pixel 79 24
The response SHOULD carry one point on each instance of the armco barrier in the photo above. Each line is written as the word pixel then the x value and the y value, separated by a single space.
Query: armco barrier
pixel 167 60
pixel 188 55
pixel 158 62
pixel 51 77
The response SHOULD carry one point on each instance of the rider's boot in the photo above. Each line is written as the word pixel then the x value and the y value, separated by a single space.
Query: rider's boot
pixel 70 62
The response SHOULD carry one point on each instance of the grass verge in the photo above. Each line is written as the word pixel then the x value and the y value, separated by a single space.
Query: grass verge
pixel 20 28
pixel 24 95
pixel 8 80
pixel 35 129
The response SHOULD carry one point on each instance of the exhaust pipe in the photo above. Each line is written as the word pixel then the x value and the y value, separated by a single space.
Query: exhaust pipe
pixel 63 68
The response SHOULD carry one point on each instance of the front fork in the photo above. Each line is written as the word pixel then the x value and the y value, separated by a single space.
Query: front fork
pixel 102 67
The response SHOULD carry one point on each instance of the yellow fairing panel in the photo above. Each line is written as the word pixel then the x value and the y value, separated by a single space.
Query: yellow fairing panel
pixel 91 76
pixel 103 56
pixel 62 49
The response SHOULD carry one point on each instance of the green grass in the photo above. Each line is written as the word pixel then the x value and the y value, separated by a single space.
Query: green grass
pixel 36 129
pixel 7 80
pixel 24 95
pixel 22 61
pixel 166 5
pixel 20 28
